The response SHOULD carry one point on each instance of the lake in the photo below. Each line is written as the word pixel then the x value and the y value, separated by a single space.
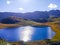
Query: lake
pixel 26 33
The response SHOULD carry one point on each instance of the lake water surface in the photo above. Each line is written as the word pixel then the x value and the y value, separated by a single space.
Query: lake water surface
pixel 26 33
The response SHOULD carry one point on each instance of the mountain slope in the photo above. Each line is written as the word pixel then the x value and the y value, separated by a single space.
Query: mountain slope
pixel 35 16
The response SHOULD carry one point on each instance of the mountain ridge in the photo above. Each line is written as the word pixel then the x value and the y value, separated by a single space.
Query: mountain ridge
pixel 35 16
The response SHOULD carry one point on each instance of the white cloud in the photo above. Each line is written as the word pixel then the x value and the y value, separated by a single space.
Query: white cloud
pixel 8 2
pixel 52 6
pixel 21 9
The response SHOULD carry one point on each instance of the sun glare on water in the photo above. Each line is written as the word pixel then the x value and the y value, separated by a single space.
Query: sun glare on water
pixel 26 33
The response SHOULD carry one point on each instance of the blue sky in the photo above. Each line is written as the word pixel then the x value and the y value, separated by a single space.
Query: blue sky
pixel 28 5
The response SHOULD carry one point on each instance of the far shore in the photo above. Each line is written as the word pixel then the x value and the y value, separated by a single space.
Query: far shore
pixel 17 25
pixel 26 24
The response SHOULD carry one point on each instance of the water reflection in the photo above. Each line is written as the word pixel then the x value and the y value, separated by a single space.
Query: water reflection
pixel 25 33
pixel 51 33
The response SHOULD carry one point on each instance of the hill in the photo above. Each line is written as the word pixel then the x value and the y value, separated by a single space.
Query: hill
pixel 35 16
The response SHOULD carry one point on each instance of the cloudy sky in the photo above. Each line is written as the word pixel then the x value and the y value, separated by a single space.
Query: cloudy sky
pixel 28 5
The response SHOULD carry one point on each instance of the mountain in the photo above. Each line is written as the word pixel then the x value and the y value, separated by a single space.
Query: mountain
pixel 35 16
pixel 55 13
pixel 13 20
